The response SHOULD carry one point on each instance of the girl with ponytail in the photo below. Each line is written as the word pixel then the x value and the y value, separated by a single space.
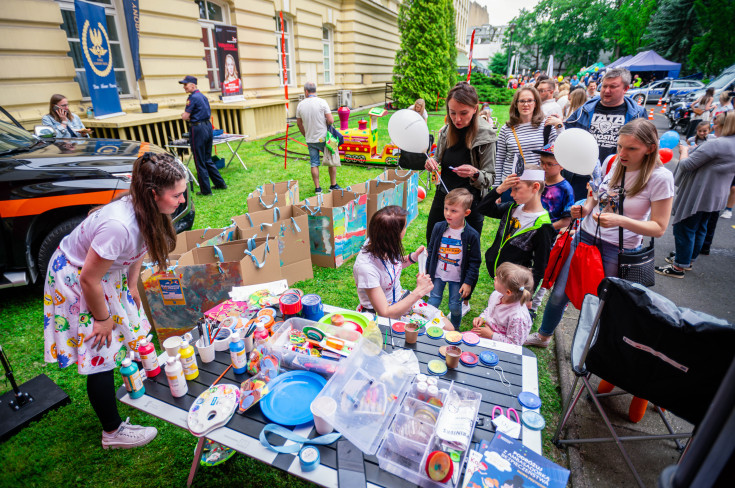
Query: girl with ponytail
pixel 506 318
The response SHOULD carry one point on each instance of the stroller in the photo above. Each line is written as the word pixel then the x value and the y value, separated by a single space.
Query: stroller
pixel 644 344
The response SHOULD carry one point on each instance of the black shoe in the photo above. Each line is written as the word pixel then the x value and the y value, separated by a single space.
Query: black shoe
pixel 335 187
pixel 704 251
pixel 220 187
pixel 200 194
pixel 318 189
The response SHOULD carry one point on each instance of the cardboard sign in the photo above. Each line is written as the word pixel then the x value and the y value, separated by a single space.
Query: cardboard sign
pixel 271 195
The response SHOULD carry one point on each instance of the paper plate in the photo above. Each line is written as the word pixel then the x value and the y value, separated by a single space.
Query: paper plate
pixel 453 337
pixel 437 367
pixel 290 397
pixel 435 332
pixel 469 359
pixel 488 358
pixel 470 338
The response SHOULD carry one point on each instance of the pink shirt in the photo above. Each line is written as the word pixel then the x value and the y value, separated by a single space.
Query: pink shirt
pixel 510 322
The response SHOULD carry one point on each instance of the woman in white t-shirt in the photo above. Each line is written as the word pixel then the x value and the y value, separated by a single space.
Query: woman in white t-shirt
pixel 649 194
pixel 91 301
pixel 378 266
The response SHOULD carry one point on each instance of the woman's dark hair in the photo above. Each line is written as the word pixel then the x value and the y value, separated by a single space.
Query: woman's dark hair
pixel 384 233
pixel 155 173
pixel 515 115
pixel 465 94
pixel 55 99
pixel 708 96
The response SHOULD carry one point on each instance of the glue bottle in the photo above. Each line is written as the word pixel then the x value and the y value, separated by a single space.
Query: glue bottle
pixel 237 353
pixel 148 356
pixel 175 375
pixel 188 361
pixel 131 377
pixel 260 335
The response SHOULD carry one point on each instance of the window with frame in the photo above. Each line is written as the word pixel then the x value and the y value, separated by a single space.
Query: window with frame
pixel 119 49
pixel 328 50
pixel 288 30
pixel 211 14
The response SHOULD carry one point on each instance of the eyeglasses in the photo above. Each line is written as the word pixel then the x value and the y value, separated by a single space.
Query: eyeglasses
pixel 526 102
pixel 64 105
pixel 548 165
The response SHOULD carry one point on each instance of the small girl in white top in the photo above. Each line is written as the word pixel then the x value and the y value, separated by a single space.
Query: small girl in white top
pixel 506 318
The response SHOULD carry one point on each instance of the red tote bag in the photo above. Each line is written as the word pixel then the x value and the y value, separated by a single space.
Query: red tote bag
pixel 585 273
pixel 557 257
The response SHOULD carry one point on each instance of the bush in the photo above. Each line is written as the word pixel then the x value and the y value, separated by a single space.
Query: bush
pixel 490 89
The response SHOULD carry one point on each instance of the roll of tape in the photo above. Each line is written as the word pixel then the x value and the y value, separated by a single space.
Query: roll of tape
pixel 309 458
pixel 290 304
pixel 313 308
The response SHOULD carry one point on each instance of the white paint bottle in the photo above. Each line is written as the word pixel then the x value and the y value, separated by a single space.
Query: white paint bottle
pixel 175 375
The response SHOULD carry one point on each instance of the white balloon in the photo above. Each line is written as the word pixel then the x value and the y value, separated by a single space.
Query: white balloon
pixel 408 130
pixel 576 150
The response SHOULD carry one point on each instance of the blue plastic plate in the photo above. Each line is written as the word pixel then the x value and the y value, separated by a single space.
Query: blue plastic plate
pixel 290 397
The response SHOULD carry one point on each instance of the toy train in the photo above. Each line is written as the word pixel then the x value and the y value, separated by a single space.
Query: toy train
pixel 361 144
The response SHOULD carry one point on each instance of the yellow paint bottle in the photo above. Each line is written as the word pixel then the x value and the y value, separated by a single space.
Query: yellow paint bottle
pixel 188 361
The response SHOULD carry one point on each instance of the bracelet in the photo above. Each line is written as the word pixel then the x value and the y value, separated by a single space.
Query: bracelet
pixel 410 259
pixel 109 314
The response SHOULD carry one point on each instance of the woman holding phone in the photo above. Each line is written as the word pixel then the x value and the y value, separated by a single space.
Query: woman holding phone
pixel 60 118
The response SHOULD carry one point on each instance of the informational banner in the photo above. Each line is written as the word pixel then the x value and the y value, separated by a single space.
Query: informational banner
pixel 225 37
pixel 132 21
pixel 95 45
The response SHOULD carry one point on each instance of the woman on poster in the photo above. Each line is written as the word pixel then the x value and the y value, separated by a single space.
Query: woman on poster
pixel 231 84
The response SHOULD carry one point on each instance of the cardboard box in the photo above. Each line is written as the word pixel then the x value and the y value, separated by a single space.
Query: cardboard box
pixel 281 194
pixel 411 190
pixel 380 194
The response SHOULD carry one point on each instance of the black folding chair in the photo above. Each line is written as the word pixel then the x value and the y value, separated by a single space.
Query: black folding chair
pixel 644 344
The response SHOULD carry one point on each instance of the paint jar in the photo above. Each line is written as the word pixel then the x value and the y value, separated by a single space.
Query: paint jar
pixel 175 375
pixel 188 361
pixel 148 357
pixel 453 354
pixel 237 354
pixel 412 333
pixel 131 377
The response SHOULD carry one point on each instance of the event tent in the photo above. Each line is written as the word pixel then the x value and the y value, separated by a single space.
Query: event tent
pixel 650 61
pixel 618 61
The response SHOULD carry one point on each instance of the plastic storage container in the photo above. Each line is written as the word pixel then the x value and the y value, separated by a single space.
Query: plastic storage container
pixel 379 410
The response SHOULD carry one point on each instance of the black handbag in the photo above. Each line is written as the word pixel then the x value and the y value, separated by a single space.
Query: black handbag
pixel 635 266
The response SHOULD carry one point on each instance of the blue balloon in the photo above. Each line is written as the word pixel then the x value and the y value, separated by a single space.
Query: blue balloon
pixel 669 140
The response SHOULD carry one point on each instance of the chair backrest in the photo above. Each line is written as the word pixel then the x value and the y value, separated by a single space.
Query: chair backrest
pixel 671 356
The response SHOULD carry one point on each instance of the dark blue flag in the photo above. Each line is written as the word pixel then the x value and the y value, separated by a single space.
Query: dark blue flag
pixel 132 20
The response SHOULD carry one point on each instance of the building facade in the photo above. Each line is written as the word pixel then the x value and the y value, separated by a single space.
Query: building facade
pixel 461 20
pixel 489 40
pixel 478 15
pixel 345 46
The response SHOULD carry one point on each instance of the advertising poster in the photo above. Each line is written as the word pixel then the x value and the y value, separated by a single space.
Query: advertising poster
pixel 95 44
pixel 225 37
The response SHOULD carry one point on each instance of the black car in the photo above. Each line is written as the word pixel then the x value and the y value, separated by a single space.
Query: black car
pixel 48 186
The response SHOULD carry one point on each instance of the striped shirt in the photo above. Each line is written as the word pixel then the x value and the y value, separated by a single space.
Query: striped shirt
pixel 507 149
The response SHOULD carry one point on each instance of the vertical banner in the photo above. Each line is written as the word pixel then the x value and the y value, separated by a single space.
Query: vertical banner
pixel 469 67
pixel 285 86
pixel 228 57
pixel 95 45
pixel 132 22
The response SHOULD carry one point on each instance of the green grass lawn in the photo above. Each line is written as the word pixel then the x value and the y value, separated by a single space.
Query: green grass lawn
pixel 64 447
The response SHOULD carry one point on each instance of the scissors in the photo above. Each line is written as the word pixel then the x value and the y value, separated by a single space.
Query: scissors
pixel 498 408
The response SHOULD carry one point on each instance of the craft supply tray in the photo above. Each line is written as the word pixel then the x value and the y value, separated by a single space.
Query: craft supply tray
pixel 294 360
pixel 380 411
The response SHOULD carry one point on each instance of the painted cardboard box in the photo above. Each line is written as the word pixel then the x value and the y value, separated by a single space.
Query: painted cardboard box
pixel 411 190
pixel 337 226
pixel 380 194
pixel 268 196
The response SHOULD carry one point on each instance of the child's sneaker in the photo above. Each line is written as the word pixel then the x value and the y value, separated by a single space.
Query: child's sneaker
pixel 727 214
pixel 465 308
pixel 537 340
pixel 128 436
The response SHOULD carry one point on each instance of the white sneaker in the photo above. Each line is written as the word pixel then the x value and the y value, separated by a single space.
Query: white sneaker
pixel 537 340
pixel 727 214
pixel 465 308
pixel 128 436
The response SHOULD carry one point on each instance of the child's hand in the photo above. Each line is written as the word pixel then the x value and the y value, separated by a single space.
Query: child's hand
pixel 576 211
pixel 465 290
pixel 415 254
pixel 509 183
pixel 478 322
pixel 483 331
pixel 424 284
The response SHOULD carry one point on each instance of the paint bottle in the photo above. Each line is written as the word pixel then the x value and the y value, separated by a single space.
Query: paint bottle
pixel 188 361
pixel 238 355
pixel 421 391
pixel 148 356
pixel 432 393
pixel 175 375
pixel 131 377
pixel 260 335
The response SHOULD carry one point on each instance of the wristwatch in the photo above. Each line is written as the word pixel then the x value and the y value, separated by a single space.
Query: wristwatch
pixel 559 126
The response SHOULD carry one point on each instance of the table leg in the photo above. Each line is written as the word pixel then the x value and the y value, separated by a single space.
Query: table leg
pixel 195 462
pixel 234 153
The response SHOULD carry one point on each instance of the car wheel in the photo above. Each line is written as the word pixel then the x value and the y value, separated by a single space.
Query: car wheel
pixel 640 99
pixel 51 243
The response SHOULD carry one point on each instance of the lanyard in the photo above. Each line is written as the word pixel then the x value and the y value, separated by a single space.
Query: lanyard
pixel 392 278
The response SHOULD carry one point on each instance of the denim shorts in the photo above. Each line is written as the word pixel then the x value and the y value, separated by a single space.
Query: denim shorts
pixel 314 149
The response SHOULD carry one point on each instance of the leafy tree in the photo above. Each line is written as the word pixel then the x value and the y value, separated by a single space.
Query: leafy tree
pixel 426 62
pixel 712 51
pixel 673 27
pixel 628 24
pixel 499 62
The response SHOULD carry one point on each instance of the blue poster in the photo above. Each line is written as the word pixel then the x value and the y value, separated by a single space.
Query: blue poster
pixel 132 20
pixel 95 45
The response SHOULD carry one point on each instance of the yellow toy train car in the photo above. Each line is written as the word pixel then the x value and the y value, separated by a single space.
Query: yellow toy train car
pixel 361 144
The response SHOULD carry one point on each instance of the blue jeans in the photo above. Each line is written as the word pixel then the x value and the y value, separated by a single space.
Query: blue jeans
pixel 689 235
pixel 455 299
pixel 314 149
pixel 558 297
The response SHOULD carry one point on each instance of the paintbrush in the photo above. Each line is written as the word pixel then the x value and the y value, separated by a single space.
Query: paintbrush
pixel 390 328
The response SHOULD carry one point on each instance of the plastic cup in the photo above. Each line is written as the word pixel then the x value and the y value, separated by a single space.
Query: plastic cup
pixel 172 345
pixel 453 354
pixel 412 333
pixel 322 408
pixel 206 353
pixel 248 343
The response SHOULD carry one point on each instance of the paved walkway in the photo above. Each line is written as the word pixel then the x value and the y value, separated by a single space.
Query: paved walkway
pixel 709 287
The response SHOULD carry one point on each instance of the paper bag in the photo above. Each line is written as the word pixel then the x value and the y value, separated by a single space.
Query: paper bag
pixel 188 240
pixel 411 190
pixel 290 225
pixel 337 226
pixel 272 195
pixel 380 194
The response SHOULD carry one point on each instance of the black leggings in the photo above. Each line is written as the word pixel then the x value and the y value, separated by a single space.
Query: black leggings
pixel 436 214
pixel 101 393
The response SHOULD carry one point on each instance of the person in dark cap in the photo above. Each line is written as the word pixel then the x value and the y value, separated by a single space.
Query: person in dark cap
pixel 197 112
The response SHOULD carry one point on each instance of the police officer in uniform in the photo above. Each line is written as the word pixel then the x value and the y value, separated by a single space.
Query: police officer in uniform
pixel 200 137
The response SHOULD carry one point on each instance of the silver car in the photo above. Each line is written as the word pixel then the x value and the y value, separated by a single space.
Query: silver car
pixel 664 89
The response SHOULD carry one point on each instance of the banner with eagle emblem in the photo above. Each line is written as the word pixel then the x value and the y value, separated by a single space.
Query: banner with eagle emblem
pixel 98 66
